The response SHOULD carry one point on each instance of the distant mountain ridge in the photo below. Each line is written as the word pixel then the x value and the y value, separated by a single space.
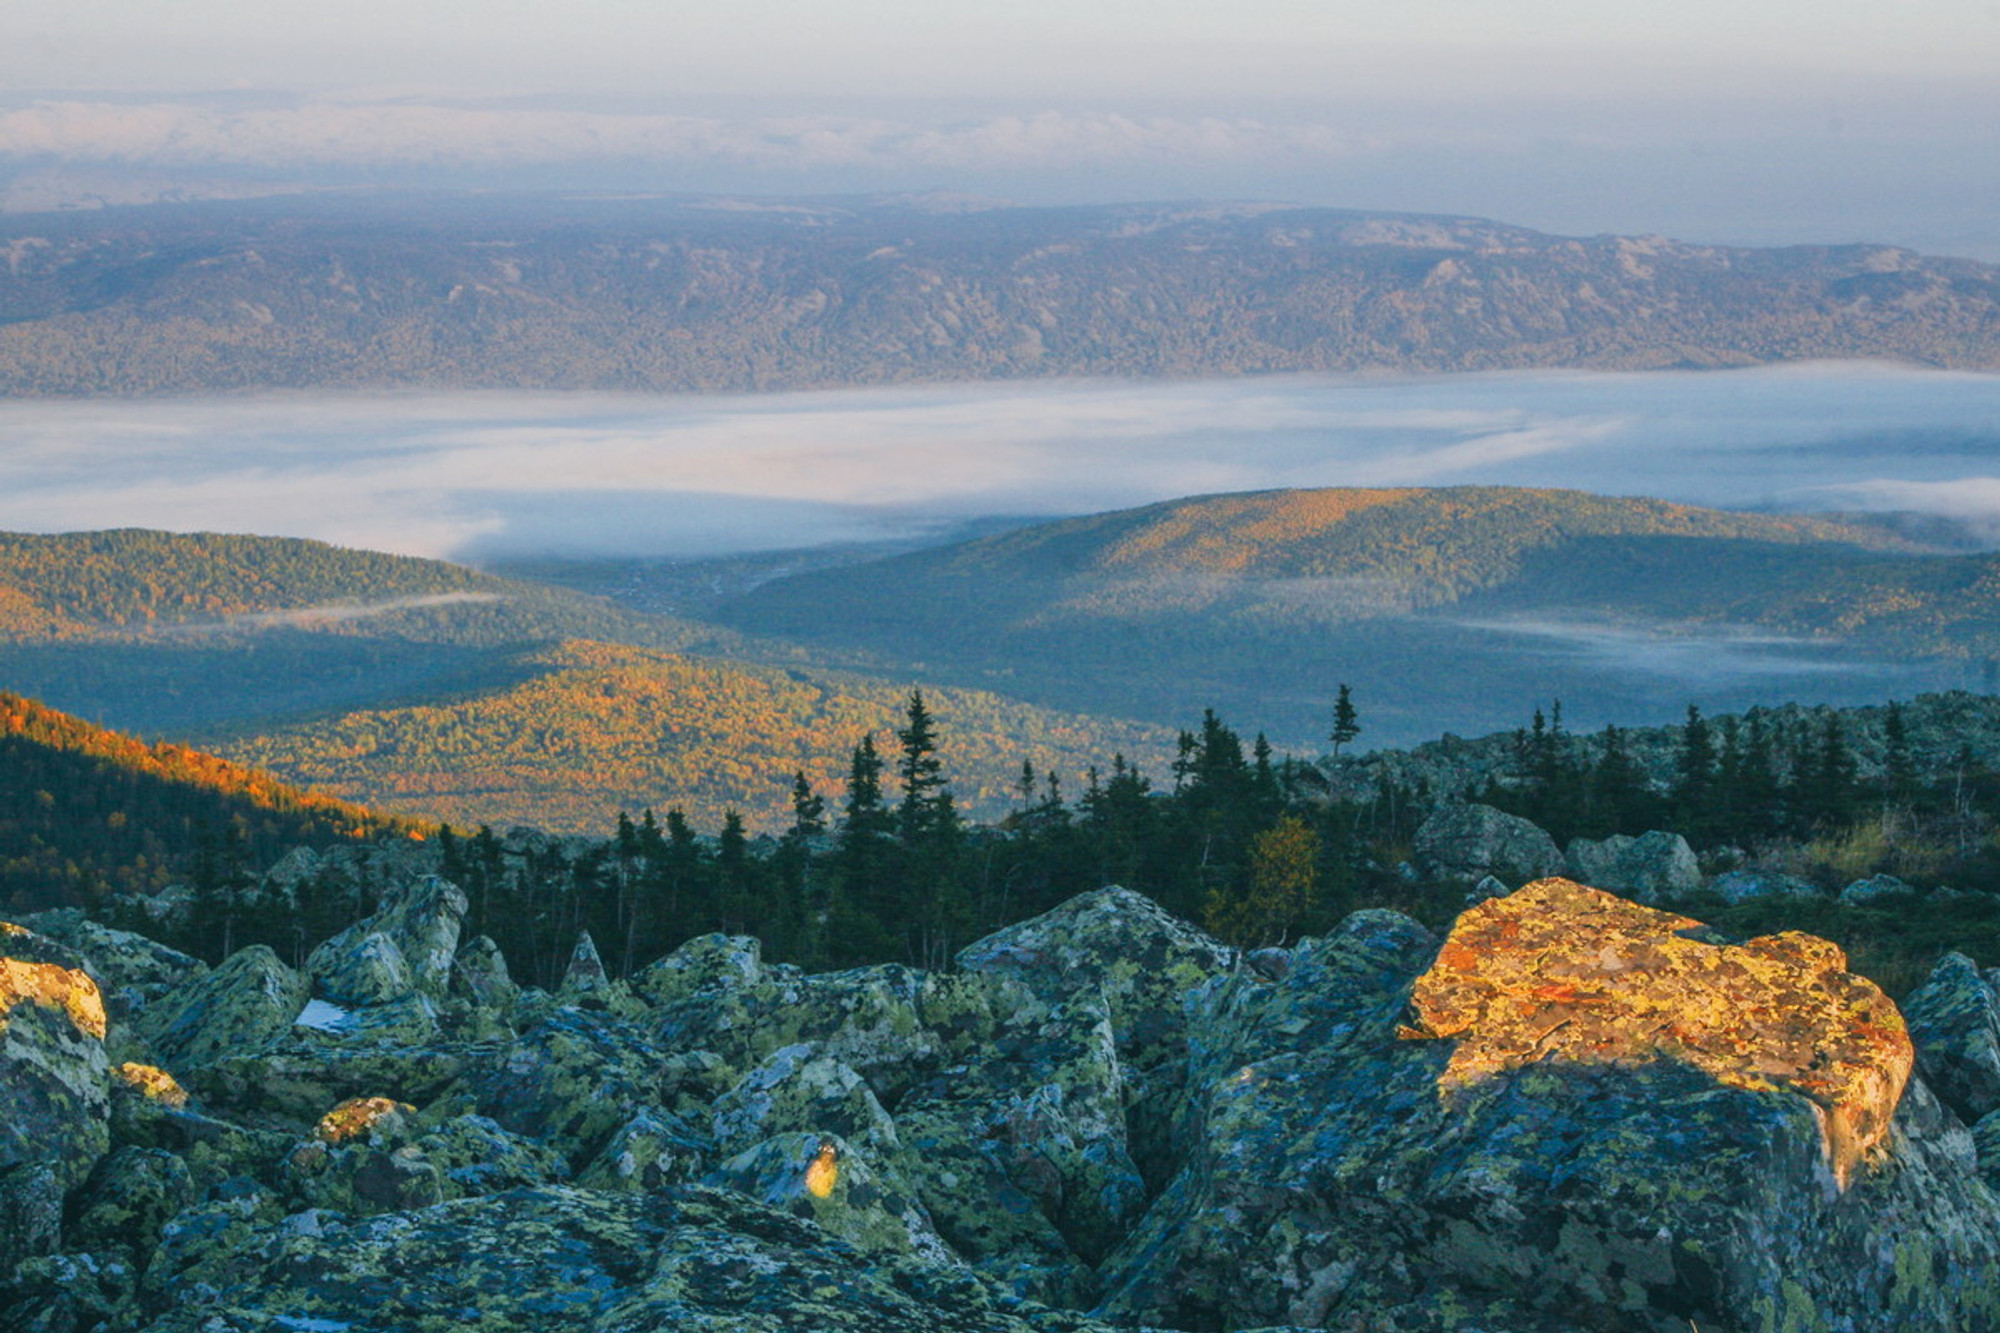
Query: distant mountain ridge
pixel 674 295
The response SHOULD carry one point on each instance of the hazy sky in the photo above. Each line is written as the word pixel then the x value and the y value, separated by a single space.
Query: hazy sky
pixel 1751 120
pixel 472 474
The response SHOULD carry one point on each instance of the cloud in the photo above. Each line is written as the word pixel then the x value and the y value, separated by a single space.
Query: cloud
pixel 449 474
pixel 328 133
pixel 332 613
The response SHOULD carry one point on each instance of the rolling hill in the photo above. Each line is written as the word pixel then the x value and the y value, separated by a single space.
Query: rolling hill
pixel 1455 608
pixel 434 688
pixel 704 294
pixel 592 728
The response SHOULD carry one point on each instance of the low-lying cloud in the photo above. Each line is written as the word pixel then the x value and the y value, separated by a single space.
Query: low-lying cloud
pixel 331 613
pixel 479 474
pixel 342 134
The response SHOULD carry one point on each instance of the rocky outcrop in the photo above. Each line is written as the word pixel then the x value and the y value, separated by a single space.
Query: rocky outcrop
pixel 1570 1113
pixel 1468 842
pixel 1954 1020
pixel 559 1259
pixel 1650 867
pixel 1570 1156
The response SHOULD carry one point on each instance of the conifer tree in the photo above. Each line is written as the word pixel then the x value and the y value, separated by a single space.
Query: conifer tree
pixel 1346 721
pixel 1694 778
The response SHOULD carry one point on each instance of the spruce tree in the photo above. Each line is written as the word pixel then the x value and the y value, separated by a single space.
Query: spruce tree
pixel 1346 721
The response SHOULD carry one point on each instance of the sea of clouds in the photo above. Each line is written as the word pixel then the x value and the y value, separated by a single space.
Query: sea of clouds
pixel 492 474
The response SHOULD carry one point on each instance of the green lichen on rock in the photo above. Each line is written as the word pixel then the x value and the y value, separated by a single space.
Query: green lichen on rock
pixel 241 1008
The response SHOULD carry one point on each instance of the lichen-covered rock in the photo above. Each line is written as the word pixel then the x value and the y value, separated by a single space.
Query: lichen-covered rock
pixel 572 1081
pixel 872 1019
pixel 1650 867
pixel 370 970
pixel 67 1293
pixel 824 1178
pixel 1349 1176
pixel 479 974
pixel 130 969
pixel 585 973
pixel 203 1240
pixel 1954 1020
pixel 421 917
pixel 239 1009
pixel 54 1088
pixel 295 1081
pixel 1118 942
pixel 1467 842
pixel 653 1150
pixel 708 962
pixel 411 1019
pixel 129 1198
pixel 796 1090
pixel 1986 1142
pixel 1874 889
pixel 1562 972
pixel 563 1260
pixel 1736 886
pixel 478 1156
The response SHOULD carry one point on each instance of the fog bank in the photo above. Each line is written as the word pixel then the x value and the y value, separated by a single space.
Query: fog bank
pixel 479 475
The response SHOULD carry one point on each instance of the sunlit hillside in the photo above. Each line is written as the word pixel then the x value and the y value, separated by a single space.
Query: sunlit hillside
pixel 591 729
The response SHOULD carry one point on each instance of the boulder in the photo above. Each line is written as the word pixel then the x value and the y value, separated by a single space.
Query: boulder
pixel 706 963
pixel 54 1078
pixel 130 969
pixel 1954 1020
pixel 1650 867
pixel 572 1082
pixel 129 1199
pixel 421 917
pixel 796 1089
pixel 480 976
pixel 653 1150
pixel 1467 842
pixel 872 1019
pixel 1592 1120
pixel 585 973
pixel 825 1179
pixel 241 1008
pixel 478 1156
pixel 1874 888
pixel 55 1104
pixel 1737 886
pixel 370 970
pixel 1121 944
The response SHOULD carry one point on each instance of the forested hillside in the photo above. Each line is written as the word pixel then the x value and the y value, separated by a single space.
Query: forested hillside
pixel 127 582
pixel 1450 608
pixel 662 294
pixel 588 729
pixel 86 813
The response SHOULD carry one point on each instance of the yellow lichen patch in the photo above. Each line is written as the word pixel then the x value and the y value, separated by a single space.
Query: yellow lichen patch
pixel 153 1082
pixel 1559 971
pixel 354 1117
pixel 53 987
pixel 824 1172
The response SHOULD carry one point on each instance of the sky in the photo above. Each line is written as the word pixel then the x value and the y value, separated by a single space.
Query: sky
pixel 483 476
pixel 1753 121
